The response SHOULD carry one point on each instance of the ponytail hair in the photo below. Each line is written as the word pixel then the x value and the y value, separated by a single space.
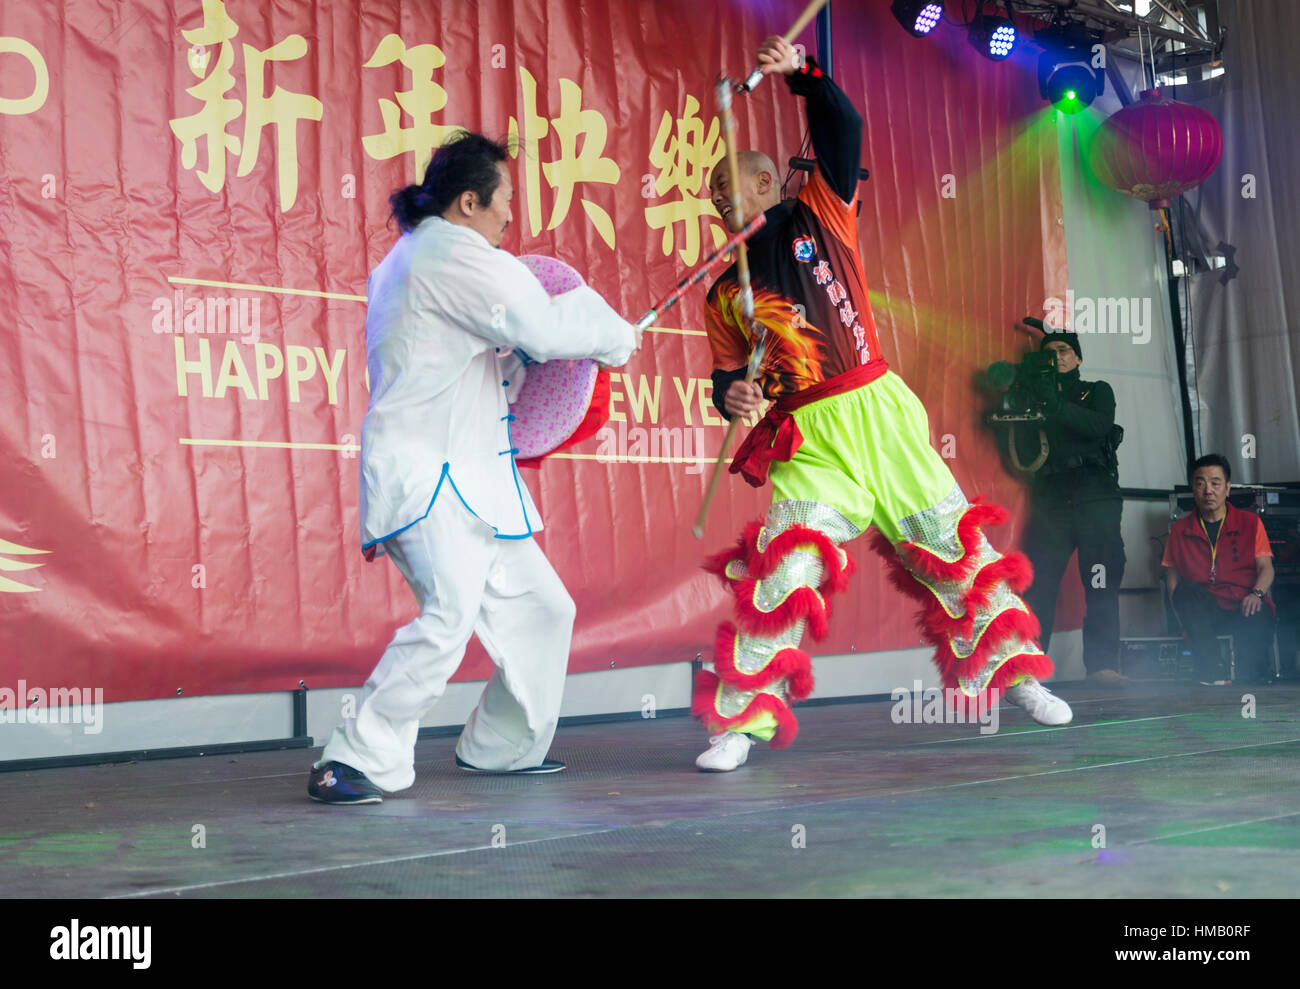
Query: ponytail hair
pixel 466 162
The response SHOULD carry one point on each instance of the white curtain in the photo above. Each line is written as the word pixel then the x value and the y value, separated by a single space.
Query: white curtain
pixel 1244 331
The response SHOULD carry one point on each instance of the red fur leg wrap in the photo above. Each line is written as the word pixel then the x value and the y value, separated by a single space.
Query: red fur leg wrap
pixel 703 707
pixel 1036 664
pixel 909 565
pixel 1019 624
pixel 771 604
pixel 754 566
pixel 760 565
pixel 803 602
pixel 926 564
pixel 745 545
pixel 794 664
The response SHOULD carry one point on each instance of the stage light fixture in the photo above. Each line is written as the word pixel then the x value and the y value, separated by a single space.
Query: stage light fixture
pixel 918 17
pixel 993 37
pixel 1067 79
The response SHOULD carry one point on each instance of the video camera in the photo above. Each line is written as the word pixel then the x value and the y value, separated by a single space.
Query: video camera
pixel 1025 390
pixel 1022 386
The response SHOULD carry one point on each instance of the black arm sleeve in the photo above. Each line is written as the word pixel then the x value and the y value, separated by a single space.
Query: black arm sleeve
pixel 721 382
pixel 834 126
pixel 1092 420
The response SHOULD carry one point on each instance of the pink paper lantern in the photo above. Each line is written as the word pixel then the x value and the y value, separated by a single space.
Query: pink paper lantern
pixel 1156 149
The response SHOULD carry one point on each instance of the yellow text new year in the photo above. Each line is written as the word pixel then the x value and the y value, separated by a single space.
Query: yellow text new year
pixel 640 398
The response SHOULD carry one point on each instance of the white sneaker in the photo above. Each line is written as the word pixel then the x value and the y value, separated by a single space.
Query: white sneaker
pixel 726 752
pixel 1043 706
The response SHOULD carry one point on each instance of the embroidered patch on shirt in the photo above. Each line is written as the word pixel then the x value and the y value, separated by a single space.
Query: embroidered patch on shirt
pixel 805 249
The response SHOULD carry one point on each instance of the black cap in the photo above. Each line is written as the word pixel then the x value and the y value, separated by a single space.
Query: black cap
pixel 1072 339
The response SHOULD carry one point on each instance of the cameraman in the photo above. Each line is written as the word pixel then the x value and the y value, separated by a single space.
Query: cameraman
pixel 1076 504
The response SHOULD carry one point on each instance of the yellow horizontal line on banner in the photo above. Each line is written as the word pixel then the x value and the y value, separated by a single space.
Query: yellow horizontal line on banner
pixel 249 286
pixel 275 444
pixel 267 288
pixel 603 458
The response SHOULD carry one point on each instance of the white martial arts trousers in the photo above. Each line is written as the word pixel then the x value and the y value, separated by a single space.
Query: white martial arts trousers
pixel 466 582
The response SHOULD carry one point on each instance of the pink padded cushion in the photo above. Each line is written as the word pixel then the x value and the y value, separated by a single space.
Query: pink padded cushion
pixel 555 395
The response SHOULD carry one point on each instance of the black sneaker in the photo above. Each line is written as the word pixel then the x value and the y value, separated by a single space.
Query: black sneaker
pixel 547 766
pixel 335 783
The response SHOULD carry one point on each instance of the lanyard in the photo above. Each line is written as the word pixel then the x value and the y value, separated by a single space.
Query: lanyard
pixel 1214 545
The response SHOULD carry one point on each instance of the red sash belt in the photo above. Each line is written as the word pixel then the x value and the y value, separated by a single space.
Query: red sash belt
pixel 777 437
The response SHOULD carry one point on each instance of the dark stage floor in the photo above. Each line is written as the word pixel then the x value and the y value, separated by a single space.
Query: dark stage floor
pixel 1195 799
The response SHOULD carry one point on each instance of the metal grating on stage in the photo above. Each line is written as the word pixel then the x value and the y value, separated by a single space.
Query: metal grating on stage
pixel 1195 800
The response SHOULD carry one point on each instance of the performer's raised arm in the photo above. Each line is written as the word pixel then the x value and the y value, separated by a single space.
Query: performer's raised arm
pixel 834 125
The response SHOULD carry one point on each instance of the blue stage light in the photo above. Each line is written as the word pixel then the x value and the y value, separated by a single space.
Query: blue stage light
pixel 918 17
pixel 993 37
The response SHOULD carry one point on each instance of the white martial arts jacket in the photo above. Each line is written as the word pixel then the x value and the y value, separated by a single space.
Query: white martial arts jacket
pixel 444 308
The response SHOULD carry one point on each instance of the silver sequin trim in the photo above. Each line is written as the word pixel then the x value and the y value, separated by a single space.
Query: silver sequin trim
pixel 1015 646
pixel 731 702
pixel 1003 599
pixel 952 593
pixel 753 654
pixel 935 528
pixel 798 568
pixel 783 514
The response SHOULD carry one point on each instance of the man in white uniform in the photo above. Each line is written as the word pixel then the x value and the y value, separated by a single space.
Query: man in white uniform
pixel 440 492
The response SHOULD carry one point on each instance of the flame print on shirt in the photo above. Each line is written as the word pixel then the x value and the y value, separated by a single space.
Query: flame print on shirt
pixel 794 354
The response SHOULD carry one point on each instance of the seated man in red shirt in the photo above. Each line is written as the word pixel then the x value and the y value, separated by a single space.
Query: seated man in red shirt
pixel 1219 568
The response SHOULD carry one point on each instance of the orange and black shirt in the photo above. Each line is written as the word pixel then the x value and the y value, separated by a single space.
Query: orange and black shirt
pixel 810 293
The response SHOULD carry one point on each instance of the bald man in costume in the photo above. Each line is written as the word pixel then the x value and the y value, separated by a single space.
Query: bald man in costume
pixel 846 445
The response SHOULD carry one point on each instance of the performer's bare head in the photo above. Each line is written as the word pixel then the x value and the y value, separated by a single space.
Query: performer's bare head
pixel 758 189
pixel 466 183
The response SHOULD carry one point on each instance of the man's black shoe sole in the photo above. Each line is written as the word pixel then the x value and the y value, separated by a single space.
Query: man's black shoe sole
pixel 465 767
pixel 347 803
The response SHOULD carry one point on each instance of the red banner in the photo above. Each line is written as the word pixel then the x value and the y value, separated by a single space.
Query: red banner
pixel 194 193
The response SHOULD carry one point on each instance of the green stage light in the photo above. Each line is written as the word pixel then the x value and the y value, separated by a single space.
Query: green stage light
pixel 1067 79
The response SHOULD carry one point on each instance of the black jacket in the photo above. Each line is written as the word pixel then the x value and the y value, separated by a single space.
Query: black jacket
pixel 1080 421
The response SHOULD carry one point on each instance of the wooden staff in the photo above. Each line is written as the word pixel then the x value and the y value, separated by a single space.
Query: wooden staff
pixel 756 333
pixel 808 14
pixel 711 262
